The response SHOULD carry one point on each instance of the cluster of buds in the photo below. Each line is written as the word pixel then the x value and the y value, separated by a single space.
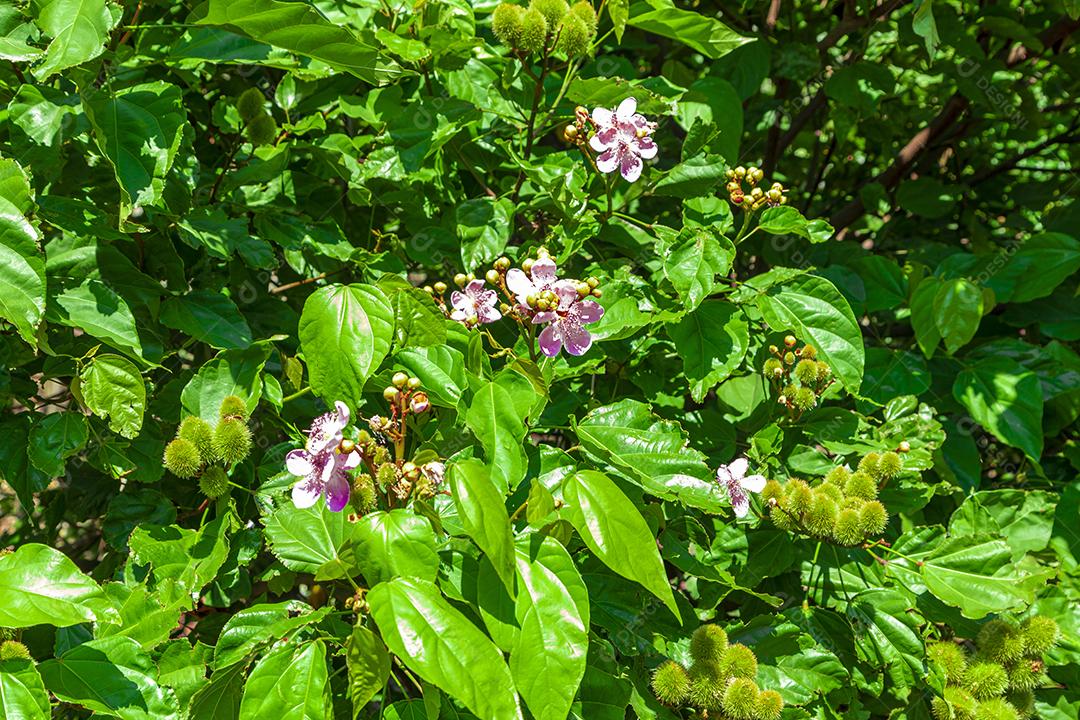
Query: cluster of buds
pixel 357 602
pixel 545 26
pixel 744 189
pixel 405 396
pixel 204 451
pixel 797 375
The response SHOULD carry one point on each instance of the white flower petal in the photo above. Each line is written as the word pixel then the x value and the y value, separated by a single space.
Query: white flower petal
pixel 298 463
pixel 305 494
pixel 753 483
pixel 626 109
pixel 741 506
pixel 738 467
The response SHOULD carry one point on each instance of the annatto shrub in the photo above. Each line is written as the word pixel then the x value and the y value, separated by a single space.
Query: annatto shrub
pixel 539 360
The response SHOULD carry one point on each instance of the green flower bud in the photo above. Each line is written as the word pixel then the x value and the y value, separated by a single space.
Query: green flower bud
pixel 789 391
pixel 821 515
pixel 261 130
pixel 182 458
pixel 8 634
pixel 363 496
pixel 1000 641
pixel 799 497
pixel 506 23
pixel 770 705
pixel 741 699
pixel 986 680
pixel 233 406
pixel 574 38
pixel 739 661
pixel 861 485
pixel 804 399
pixel 13 650
pixel 1040 634
pixel 584 11
pixel 385 475
pixel 824 372
pixel 250 104
pixel 708 644
pixel 671 683
pixel 956 704
pixel 1026 675
pixel 952 660
pixel 772 491
pixel 533 31
pixel 873 518
pixel 806 372
pixel 1023 701
pixel 789 358
pixel 214 482
pixel 889 466
pixel 232 441
pixel 381 455
pixel 199 433
pixel 808 351
pixel 838 476
pixel 869 463
pixel 996 709
pixel 552 10
pixel 706 686
pixel 848 528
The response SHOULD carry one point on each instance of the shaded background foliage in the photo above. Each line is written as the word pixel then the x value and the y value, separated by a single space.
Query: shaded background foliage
pixel 160 239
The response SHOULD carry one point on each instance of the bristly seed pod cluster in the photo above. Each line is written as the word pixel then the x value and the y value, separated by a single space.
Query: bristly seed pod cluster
pixel 719 682
pixel 546 26
pixel 205 451
pixel 997 681
pixel 797 377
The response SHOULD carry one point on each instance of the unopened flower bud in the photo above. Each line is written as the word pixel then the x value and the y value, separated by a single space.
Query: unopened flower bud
pixel 789 340
pixel 492 276
pixel 413 383
pixel 597 293
pixel 502 264
pixel 775 195
pixel 346 446
pixel 593 281
pixel 400 379
pixel 740 172
pixel 756 194
pixel 419 403
pixel 531 300
pixel 759 174
pixel 789 358
pixel 542 304
pixel 390 394
pixel 440 287
pixel 504 308
pixel 904 446
pixel 569 133
pixel 527 264
pixel 429 290
pixel 460 279
pixel 583 289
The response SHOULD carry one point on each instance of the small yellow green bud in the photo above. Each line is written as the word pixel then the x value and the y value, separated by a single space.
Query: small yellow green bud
pixel 440 287
pixel 534 30
pixel 492 276
pixel 399 380
pixel 250 104
pixel 506 23
pixel 233 407
pixel 390 393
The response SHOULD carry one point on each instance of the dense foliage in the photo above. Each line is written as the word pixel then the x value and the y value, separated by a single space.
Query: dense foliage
pixel 652 359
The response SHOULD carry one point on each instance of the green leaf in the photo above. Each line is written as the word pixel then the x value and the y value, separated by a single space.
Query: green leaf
pixel 615 531
pixel 700 254
pixel 182 667
pixel 443 647
pixel 113 676
pixel 307 539
pixel 958 309
pixel 418 321
pixel 650 452
pixel 786 220
pixel 813 309
pixel 395 543
pixel 693 178
pixel 42 586
pixel 369 666
pixel 305 695
pixel 260 624
pixel 708 36
pixel 483 227
pixel 54 438
pixel 1023 518
pixel 209 317
pixel 1034 269
pixel 22 694
pixel 887 634
pixel 922 22
pixel 15 466
pixel 619 11
pixel 138 129
pixel 1006 399
pixel 113 388
pixel 22 270
pixel 923 318
pixel 345 332
pixel 712 342
pixel 482 511
pixel 301 29
pixel 440 369
pixel 79 30
pixel 231 372
pixel 552 609
pixel 95 308
pixel 183 561
pixel 220 698
pixel 496 423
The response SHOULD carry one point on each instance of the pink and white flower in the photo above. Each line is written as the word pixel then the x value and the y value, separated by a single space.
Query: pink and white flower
pixel 434 471
pixel 474 303
pixel 542 276
pixel 566 324
pixel 733 479
pixel 622 139
pixel 320 465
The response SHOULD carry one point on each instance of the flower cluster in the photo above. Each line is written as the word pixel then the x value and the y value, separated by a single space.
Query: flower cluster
pixel 324 461
pixel 205 451
pixel 997 681
pixel 621 137
pixel 535 296
pixel 798 378
pixel 843 508
pixel 720 682
pixel 744 190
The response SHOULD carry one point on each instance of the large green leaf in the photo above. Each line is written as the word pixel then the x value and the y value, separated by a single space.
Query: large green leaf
pixel 1006 399
pixel 309 539
pixel 482 511
pixel 22 271
pixel 711 341
pixel 112 388
pixel 443 647
pixel 395 543
pixel 261 624
pixel 705 34
pixel 139 130
pixel 56 437
pixel 42 586
pixel 231 372
pixel 78 28
pixel 813 309
pixel 958 308
pixel 300 28
pixel 22 694
pixel 887 634
pixel 615 531
pixel 220 698
pixel 345 332
pixel 440 369
pixel 291 683
pixel 113 676
pixel 699 255
pixel 209 317
pixel 495 421
pixel 651 452
pixel 368 663
pixel 95 308
pixel 183 561
pixel 552 609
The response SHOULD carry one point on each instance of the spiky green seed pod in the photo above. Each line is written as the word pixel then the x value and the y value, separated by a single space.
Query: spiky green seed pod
pixel 182 458
pixel 772 368
pixel 861 485
pixel 830 491
pixel 233 406
pixel 232 441
pixel 363 496
pixel 869 463
pixel 824 372
pixel 250 104
pixel 14 650
pixel 1026 675
pixel 8 634
pixel 952 660
pixel 574 36
pixel 708 644
pixel 385 475
pixel 671 683
pixel 821 516
pixel 706 686
pixel 381 455
pixel 1040 634
pixel 806 371
pixel 798 497
pixel 770 705
pixel 739 662
pixel 552 10
pixel 848 529
pixel 584 10
pixel 199 433
pixel 214 482
pixel 873 518
pixel 889 466
pixel 986 680
pixel 996 709
pixel 804 399
pixel 852 503
pixel 506 23
pixel 1001 641
pixel 533 31
pixel 783 519
pixel 789 392
pixel 956 704
pixel 1023 701
pixel 838 476
pixel 808 351
pixel 773 490
pixel 741 699
pixel 261 130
